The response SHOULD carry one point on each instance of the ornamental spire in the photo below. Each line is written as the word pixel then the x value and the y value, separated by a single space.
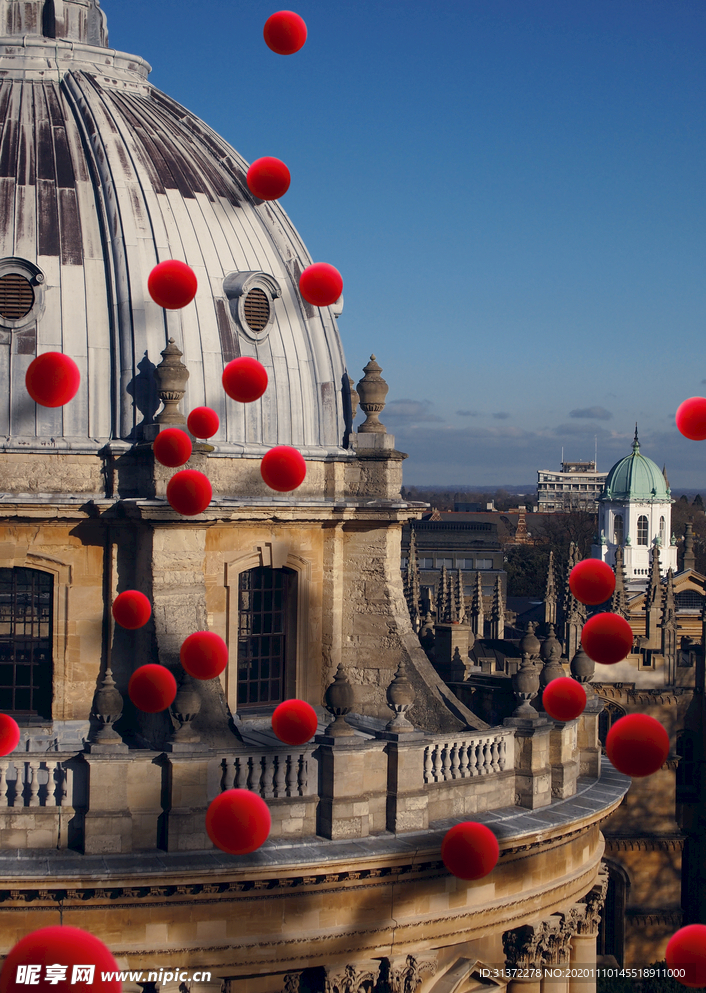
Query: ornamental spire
pixel 635 442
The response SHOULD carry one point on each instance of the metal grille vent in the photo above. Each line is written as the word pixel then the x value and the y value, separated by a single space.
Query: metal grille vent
pixel 257 309
pixel 16 296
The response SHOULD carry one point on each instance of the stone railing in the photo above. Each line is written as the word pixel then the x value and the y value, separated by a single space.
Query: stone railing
pixel 32 782
pixel 446 759
pixel 272 774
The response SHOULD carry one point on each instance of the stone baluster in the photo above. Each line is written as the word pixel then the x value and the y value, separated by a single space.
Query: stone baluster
pixel 241 775
pixel 474 755
pixel 503 754
pixel 428 765
pixel 290 776
pixel 487 757
pixel 454 761
pixel 34 765
pixel 446 762
pixel 438 775
pixel 303 776
pixel 494 756
pixel 228 777
pixel 281 762
pixel 463 760
pixel 267 780
pixel 64 774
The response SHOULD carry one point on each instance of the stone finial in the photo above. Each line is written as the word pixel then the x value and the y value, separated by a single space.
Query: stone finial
pixel 400 697
pixel 525 686
pixel 372 389
pixel 355 399
pixel 107 709
pixel 689 556
pixel 186 706
pixel 171 375
pixel 338 700
pixel 582 667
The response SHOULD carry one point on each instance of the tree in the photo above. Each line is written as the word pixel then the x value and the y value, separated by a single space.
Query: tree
pixel 526 568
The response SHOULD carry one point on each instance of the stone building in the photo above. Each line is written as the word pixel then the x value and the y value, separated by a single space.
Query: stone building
pixel 102 807
pixel 576 487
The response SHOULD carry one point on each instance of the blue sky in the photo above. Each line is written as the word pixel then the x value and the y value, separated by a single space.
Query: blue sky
pixel 513 191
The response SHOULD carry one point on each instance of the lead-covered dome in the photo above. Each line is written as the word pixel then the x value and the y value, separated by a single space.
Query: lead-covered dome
pixel 102 176
pixel 636 478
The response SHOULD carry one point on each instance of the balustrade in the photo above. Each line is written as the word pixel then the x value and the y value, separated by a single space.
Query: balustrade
pixel 447 759
pixel 272 774
pixel 33 782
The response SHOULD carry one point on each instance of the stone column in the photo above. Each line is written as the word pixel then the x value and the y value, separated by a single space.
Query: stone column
pixel 587 917
pixel 556 954
pixel 523 947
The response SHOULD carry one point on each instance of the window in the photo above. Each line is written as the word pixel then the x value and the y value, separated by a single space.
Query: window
pixel 686 770
pixel 256 310
pixel 440 563
pixel 618 529
pixel 484 563
pixel 251 296
pixel 642 530
pixel 608 716
pixel 404 562
pixel 662 530
pixel 266 635
pixel 426 563
pixel 465 563
pixel 21 293
pixel 26 671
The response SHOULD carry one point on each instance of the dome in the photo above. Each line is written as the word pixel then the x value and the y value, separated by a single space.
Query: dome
pixel 636 478
pixel 103 176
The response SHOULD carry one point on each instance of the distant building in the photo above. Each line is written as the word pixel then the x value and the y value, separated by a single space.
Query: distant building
pixel 576 487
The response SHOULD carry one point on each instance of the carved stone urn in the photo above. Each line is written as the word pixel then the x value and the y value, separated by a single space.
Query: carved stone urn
pixel 525 686
pixel 372 390
pixel 107 709
pixel 400 697
pixel 171 375
pixel 186 706
pixel 338 700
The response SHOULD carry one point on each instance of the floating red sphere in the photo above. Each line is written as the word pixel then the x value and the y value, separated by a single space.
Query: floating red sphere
pixel 172 447
pixel 294 722
pixel 131 609
pixel 607 638
pixel 204 654
pixel 637 745
pixel 268 178
pixel 245 379
pixel 152 688
pixel 238 821
pixel 9 734
pixel 564 699
pixel 686 951
pixel 283 468
pixel 172 284
pixel 202 422
pixel 53 948
pixel 52 379
pixel 592 581
pixel 470 850
pixel 321 284
pixel 285 32
pixel 691 418
pixel 189 492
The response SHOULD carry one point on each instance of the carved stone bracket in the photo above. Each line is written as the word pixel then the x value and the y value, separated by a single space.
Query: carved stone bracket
pixel 404 975
pixel 594 901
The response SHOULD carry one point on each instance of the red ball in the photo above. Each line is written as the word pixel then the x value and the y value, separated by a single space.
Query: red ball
pixel 189 492
pixel 131 609
pixel 637 745
pixel 202 422
pixel 283 468
pixel 295 722
pixel 470 850
pixel 321 284
pixel 52 379
pixel 54 948
pixel 172 284
pixel 268 178
pixel 9 734
pixel 245 379
pixel 564 699
pixel 686 952
pixel 152 688
pixel 592 581
pixel 172 447
pixel 691 418
pixel 607 638
pixel 204 655
pixel 238 821
pixel 285 32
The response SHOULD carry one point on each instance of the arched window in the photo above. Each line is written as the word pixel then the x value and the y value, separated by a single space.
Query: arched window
pixel 662 531
pixel 642 530
pixel 611 931
pixel 618 529
pixel 686 770
pixel 26 670
pixel 606 719
pixel 266 636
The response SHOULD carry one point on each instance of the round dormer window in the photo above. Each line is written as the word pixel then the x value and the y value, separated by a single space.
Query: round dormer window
pixel 21 293
pixel 251 298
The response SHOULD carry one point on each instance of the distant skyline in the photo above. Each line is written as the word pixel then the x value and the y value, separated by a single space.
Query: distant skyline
pixel 513 191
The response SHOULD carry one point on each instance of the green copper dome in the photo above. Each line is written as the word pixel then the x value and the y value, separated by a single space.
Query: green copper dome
pixel 636 478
